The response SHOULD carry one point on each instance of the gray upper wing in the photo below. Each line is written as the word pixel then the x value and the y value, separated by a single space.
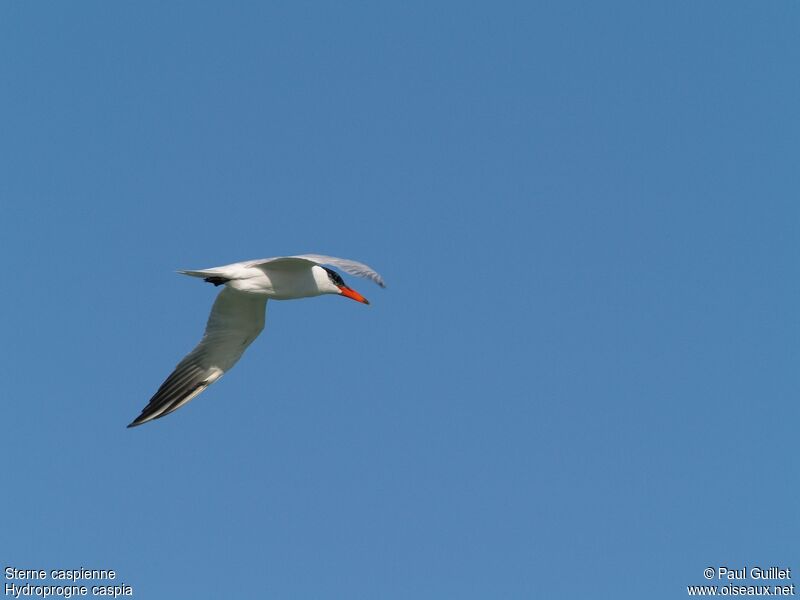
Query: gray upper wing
pixel 348 266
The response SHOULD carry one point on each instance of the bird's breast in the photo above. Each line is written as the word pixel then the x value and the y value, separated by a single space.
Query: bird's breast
pixel 277 284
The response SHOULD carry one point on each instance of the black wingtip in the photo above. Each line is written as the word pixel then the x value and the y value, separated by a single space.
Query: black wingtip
pixel 135 423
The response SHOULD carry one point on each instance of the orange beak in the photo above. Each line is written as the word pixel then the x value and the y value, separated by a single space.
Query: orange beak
pixel 346 291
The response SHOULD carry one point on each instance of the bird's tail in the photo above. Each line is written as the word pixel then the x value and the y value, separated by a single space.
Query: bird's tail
pixel 210 275
pixel 202 273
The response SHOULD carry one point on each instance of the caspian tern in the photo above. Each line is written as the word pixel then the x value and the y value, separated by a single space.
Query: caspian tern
pixel 237 317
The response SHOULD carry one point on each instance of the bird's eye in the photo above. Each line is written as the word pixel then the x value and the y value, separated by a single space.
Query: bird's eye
pixel 335 277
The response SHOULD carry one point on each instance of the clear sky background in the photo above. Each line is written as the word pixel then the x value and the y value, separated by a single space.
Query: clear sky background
pixel 581 380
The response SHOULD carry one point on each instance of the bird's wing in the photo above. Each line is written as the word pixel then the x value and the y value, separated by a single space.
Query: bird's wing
pixel 235 321
pixel 348 266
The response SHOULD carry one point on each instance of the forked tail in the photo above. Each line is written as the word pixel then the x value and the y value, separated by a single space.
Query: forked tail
pixel 209 275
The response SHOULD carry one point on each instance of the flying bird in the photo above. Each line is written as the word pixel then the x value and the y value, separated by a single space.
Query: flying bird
pixel 237 317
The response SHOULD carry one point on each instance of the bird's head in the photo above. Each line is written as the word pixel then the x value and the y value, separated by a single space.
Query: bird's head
pixel 330 282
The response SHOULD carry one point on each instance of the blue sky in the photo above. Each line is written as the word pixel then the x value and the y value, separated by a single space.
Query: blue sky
pixel 580 381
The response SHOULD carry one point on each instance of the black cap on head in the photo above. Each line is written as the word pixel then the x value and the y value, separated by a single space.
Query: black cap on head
pixel 335 277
